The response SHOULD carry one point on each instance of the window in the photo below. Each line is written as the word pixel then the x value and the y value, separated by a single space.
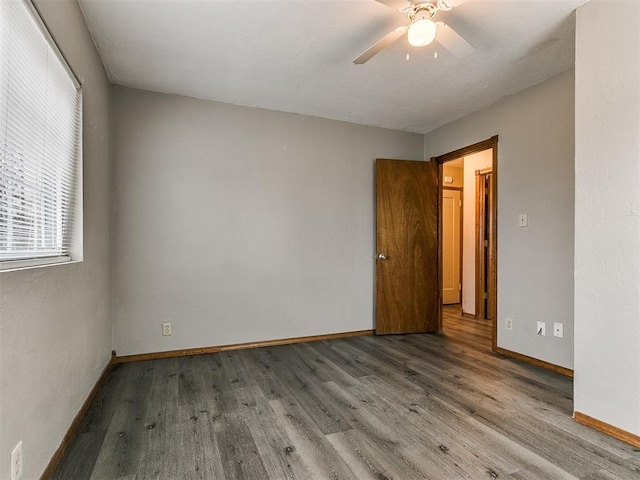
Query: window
pixel 40 142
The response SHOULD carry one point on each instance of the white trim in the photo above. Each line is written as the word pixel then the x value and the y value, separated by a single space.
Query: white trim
pixel 12 265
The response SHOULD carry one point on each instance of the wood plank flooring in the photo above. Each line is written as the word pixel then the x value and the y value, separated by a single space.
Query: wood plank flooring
pixel 437 406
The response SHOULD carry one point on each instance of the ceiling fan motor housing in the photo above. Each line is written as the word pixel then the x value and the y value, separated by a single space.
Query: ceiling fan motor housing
pixel 413 10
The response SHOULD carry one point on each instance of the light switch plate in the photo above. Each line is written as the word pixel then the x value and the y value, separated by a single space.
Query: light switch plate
pixel 541 329
pixel 523 220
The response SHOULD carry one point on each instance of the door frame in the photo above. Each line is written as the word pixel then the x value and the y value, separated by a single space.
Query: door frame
pixel 489 144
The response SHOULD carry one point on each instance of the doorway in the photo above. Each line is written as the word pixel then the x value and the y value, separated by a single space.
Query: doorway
pixel 467 233
pixel 451 211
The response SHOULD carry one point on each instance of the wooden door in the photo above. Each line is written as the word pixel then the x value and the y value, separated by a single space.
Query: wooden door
pixel 407 247
pixel 451 236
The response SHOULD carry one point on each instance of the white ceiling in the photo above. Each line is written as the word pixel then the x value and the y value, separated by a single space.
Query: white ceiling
pixel 295 55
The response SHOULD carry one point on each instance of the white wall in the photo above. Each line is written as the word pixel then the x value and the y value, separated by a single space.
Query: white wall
pixel 607 222
pixel 478 161
pixel 535 176
pixel 239 224
pixel 55 322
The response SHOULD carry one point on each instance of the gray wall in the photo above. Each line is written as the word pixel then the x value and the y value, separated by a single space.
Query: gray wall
pixel 607 305
pixel 535 176
pixel 55 321
pixel 239 224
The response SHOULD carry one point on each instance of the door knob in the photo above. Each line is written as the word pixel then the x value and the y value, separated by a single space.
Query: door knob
pixel 381 256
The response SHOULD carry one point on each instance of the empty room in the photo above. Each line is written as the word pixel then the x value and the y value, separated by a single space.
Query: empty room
pixel 319 239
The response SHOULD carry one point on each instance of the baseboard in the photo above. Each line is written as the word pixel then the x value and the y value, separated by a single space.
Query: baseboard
pixel 615 432
pixel 534 361
pixel 237 346
pixel 77 421
pixel 468 315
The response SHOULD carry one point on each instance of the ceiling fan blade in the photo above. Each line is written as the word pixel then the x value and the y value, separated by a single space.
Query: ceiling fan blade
pixel 449 39
pixel 383 43
pixel 399 4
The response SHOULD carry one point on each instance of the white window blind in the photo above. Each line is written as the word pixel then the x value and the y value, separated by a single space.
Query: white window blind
pixel 40 138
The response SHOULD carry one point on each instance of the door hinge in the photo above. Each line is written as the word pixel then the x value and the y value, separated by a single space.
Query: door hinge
pixel 459 203
pixel 485 296
pixel 486 243
pixel 460 286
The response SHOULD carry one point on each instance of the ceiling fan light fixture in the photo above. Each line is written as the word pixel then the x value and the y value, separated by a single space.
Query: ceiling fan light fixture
pixel 421 32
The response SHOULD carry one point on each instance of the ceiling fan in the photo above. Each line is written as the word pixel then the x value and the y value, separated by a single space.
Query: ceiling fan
pixel 421 30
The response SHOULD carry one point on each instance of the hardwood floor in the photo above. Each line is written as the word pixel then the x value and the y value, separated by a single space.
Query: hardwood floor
pixel 476 333
pixel 436 406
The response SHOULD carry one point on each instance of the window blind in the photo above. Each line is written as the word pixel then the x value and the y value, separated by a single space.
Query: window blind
pixel 40 138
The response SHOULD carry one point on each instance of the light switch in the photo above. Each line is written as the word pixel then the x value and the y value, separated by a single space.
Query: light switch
pixel 523 220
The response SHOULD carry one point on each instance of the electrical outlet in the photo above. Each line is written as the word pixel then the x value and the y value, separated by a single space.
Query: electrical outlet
pixel 16 462
pixel 508 323
pixel 166 329
pixel 542 328
pixel 558 330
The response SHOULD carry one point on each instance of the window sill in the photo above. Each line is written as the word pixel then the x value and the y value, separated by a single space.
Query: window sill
pixel 30 263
